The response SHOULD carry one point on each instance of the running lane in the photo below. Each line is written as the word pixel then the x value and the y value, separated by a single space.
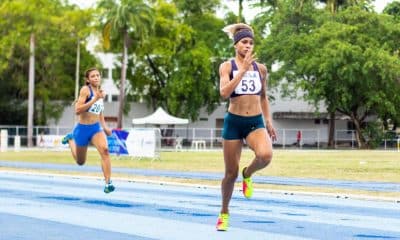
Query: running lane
pixel 37 207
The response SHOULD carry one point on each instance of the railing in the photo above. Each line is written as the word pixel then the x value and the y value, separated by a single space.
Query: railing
pixel 21 132
pixel 212 137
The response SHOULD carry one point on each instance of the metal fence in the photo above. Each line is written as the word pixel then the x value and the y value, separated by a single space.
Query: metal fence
pixel 211 138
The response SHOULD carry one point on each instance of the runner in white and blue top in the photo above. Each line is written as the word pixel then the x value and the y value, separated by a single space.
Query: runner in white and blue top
pixel 91 127
pixel 98 106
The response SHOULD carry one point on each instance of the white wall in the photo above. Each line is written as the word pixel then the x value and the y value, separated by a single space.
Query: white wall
pixel 108 61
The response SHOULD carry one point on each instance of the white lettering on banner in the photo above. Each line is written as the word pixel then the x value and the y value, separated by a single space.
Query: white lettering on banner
pixel 141 142
pixel 250 83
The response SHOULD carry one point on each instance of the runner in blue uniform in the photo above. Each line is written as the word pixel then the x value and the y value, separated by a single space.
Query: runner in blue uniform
pixel 91 127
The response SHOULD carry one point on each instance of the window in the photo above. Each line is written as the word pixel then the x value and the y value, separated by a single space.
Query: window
pixel 104 73
pixel 350 126
pixel 114 98
pixel 114 73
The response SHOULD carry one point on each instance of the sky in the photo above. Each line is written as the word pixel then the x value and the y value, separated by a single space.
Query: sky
pixel 380 4
pixel 232 4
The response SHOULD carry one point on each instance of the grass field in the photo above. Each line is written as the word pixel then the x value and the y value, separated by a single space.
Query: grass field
pixel 383 166
pixel 359 165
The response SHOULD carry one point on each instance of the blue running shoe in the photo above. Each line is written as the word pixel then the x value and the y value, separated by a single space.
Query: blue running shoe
pixel 109 187
pixel 67 137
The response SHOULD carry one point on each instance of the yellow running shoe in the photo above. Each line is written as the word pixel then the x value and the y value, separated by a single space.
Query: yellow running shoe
pixel 247 185
pixel 222 222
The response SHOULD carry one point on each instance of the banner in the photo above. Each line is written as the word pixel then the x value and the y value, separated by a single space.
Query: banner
pixel 49 141
pixel 138 142
pixel 116 142
pixel 141 142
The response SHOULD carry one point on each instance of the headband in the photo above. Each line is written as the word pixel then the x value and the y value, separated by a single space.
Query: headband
pixel 242 34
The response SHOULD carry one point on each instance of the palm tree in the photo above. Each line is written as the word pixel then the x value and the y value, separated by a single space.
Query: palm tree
pixel 31 91
pixel 120 19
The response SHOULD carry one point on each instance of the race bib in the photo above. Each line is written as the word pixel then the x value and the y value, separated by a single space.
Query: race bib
pixel 250 83
pixel 97 107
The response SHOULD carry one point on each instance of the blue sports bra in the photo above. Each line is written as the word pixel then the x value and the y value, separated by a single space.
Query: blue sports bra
pixel 250 84
pixel 98 106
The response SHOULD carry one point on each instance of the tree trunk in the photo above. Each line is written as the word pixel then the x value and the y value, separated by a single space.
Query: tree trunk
pixel 331 134
pixel 240 13
pixel 332 5
pixel 31 91
pixel 78 56
pixel 122 83
pixel 361 143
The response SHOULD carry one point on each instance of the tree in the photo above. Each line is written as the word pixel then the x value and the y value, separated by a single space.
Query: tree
pixel 53 67
pixel 177 66
pixel 121 20
pixel 80 25
pixel 340 60
pixel 34 19
pixel 364 63
pixel 393 9
pixel 334 5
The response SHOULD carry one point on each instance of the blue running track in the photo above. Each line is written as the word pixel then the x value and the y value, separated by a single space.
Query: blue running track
pixel 41 207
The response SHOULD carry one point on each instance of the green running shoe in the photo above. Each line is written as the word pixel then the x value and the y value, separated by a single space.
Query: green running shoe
pixel 67 137
pixel 109 187
pixel 247 185
pixel 222 222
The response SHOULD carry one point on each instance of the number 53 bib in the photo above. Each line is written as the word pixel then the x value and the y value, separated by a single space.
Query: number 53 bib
pixel 250 83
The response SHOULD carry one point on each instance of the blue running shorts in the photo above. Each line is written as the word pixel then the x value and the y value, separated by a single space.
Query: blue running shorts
pixel 239 127
pixel 83 133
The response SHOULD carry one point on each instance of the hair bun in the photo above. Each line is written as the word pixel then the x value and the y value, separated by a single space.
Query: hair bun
pixel 232 29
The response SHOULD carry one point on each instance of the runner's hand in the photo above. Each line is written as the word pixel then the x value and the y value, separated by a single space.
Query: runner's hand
pixel 249 58
pixel 271 131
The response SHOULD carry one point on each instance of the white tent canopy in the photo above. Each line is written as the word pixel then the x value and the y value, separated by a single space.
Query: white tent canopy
pixel 160 117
